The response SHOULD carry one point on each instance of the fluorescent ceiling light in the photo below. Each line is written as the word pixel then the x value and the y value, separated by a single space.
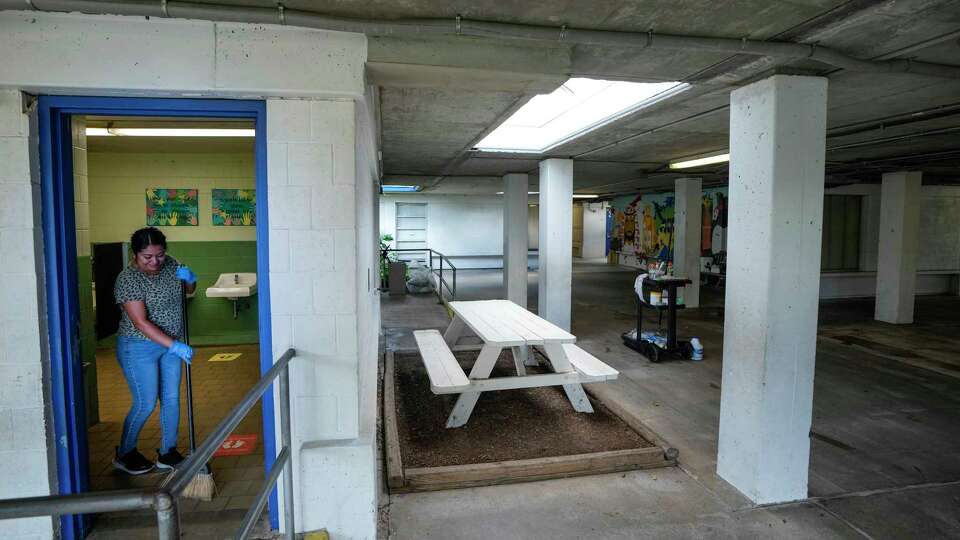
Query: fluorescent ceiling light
pixel 393 188
pixel 169 132
pixel 699 162
pixel 575 195
pixel 576 108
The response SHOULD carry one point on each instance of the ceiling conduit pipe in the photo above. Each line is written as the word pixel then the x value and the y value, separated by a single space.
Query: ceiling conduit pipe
pixel 459 26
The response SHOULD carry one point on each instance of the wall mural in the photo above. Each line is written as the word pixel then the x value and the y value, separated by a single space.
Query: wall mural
pixel 172 207
pixel 234 207
pixel 642 225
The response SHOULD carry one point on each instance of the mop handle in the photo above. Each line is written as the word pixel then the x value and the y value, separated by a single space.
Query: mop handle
pixel 186 339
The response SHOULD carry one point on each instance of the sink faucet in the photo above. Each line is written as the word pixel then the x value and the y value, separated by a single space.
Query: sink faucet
pixel 236 279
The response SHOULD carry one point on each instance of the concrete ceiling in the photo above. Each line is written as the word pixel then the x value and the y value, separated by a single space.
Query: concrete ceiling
pixel 440 94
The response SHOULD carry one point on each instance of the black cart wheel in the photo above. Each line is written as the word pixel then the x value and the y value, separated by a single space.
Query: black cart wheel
pixel 653 353
pixel 686 349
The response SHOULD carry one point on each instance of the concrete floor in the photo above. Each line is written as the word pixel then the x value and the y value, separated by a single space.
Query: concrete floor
pixel 885 448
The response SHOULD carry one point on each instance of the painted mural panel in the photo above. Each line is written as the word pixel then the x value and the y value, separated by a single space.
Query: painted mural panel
pixel 234 207
pixel 642 225
pixel 172 207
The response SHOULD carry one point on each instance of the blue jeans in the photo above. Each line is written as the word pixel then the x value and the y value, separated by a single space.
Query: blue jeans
pixel 151 372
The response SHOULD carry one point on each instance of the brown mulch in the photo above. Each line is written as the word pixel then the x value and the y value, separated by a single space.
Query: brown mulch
pixel 505 425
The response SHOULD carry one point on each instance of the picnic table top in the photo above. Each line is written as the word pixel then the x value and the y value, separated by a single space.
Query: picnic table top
pixel 505 323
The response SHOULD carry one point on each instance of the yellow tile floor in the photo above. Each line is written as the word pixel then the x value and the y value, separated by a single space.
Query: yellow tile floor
pixel 217 387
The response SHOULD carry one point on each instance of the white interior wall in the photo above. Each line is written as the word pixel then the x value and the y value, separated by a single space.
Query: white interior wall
pixel 466 228
pixel 938 258
pixel 938 264
pixel 314 291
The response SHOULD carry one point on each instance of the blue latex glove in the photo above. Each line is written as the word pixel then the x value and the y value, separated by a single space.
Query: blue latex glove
pixel 186 274
pixel 182 350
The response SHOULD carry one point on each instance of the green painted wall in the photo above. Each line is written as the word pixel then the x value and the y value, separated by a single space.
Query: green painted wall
pixel 211 319
pixel 88 338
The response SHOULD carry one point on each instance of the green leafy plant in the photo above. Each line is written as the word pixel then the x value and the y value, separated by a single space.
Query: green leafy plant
pixel 386 257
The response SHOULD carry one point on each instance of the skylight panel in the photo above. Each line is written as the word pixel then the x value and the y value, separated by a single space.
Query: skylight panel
pixel 576 108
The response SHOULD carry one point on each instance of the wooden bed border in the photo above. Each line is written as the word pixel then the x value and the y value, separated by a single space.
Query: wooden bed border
pixel 406 480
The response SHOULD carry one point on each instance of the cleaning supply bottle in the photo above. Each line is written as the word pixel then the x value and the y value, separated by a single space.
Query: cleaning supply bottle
pixel 697 349
pixel 654 298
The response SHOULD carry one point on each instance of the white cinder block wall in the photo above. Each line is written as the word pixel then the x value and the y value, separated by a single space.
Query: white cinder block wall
pixel 368 254
pixel 316 274
pixel 24 431
pixel 313 287
pixel 81 192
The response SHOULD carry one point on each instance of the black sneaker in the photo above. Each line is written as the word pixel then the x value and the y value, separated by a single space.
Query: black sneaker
pixel 132 462
pixel 170 460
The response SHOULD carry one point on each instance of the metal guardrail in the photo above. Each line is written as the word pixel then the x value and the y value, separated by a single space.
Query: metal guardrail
pixel 163 499
pixel 436 270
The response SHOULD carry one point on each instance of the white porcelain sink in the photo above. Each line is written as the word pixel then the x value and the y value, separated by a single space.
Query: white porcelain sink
pixel 234 286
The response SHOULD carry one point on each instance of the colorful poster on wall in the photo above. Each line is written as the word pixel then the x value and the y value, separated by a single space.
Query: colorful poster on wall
pixel 234 207
pixel 172 207
pixel 642 225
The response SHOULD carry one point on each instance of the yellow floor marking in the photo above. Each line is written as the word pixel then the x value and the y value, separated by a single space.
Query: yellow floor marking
pixel 225 357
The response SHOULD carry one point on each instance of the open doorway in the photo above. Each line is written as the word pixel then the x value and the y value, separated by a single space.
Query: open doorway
pixel 196 180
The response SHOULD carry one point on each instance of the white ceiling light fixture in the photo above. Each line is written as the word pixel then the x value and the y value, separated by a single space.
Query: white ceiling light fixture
pixel 169 132
pixel 575 195
pixel 700 161
pixel 578 107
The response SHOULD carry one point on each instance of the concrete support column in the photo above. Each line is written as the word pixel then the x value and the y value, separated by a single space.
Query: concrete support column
pixel 515 215
pixel 556 240
pixel 897 256
pixel 777 142
pixel 687 230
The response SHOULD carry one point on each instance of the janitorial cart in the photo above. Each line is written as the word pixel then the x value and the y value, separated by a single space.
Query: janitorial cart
pixel 660 293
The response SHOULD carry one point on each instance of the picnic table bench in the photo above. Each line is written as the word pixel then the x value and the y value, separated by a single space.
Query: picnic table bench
pixel 501 324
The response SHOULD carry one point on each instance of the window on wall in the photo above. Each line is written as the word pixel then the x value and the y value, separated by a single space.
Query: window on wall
pixel 841 233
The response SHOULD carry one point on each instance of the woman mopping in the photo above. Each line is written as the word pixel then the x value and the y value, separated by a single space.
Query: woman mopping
pixel 150 292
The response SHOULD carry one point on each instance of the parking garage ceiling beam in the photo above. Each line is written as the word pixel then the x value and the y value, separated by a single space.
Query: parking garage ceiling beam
pixel 495 30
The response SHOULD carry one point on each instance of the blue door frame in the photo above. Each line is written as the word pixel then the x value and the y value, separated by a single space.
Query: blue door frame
pixel 60 259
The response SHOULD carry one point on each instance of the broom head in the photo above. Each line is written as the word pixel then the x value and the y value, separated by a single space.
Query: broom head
pixel 202 487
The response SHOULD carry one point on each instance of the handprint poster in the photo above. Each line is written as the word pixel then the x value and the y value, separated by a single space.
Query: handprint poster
pixel 172 207
pixel 234 207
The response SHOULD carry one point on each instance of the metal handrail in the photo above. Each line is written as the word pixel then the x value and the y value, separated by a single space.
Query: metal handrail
pixel 163 499
pixel 438 271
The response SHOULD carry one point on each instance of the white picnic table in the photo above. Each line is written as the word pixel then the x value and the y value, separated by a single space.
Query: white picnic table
pixel 501 324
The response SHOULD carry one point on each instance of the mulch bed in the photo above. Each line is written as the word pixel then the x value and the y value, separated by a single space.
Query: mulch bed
pixel 505 425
